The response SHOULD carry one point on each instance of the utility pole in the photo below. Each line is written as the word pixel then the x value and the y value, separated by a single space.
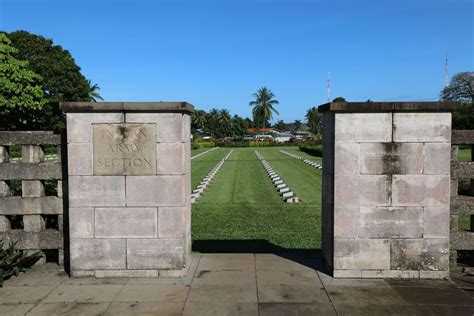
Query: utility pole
pixel 328 87
pixel 446 77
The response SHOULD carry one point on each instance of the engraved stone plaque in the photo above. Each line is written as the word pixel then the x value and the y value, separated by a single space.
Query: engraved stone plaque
pixel 124 149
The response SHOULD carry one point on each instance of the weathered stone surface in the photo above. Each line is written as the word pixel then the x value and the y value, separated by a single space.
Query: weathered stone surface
pixel 391 158
pixel 81 222
pixel 436 158
pixel 4 189
pixel 436 222
pixel 462 137
pixel 459 169
pixel 155 254
pixel 462 240
pixel 168 126
pixel 9 138
pixel 79 159
pixel 462 204
pixel 126 273
pixel 368 190
pixel 79 125
pixel 154 191
pixel 32 154
pixel 90 254
pixel 33 171
pixel 186 119
pixel 4 156
pixel 126 222
pixel 33 223
pixel 170 158
pixel 419 254
pixel 32 188
pixel 434 274
pixel 361 254
pixel 420 190
pixel 454 189
pixel 171 222
pixel 346 221
pixel 355 273
pixel 363 127
pixel 41 205
pixel 346 158
pixel 392 274
pixel 124 149
pixel 391 222
pixel 47 239
pixel 97 191
pixel 422 127
pixel 5 225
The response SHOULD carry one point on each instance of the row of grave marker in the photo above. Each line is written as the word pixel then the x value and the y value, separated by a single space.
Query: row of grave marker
pixel 306 161
pixel 288 195
pixel 207 179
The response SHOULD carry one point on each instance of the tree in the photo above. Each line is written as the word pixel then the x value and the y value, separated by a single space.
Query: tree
pixel 461 88
pixel 94 91
pixel 281 126
pixel 314 120
pixel 263 105
pixel 62 78
pixel 199 119
pixel 21 95
pixel 339 99
pixel 297 125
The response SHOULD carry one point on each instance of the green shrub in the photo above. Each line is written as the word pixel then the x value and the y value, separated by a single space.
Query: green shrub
pixel 195 146
pixel 14 260
pixel 313 150
pixel 259 143
pixel 205 143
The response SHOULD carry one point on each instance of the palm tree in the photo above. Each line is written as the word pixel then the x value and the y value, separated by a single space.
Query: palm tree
pixel 199 119
pixel 297 125
pixel 94 91
pixel 263 105
pixel 224 116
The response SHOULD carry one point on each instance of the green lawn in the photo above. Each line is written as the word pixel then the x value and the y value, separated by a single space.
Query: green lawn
pixel 195 152
pixel 203 164
pixel 465 153
pixel 242 205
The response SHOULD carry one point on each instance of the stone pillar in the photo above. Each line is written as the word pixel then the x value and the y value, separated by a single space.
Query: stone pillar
pixel 129 188
pixel 386 189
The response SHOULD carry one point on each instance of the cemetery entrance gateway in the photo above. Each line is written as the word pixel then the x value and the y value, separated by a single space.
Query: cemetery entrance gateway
pixel 386 188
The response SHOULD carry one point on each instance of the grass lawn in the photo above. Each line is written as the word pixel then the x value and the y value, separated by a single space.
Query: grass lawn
pixel 195 152
pixel 241 209
pixel 203 164
pixel 464 155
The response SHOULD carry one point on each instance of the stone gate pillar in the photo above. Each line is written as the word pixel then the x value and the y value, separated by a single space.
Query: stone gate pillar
pixel 386 189
pixel 129 186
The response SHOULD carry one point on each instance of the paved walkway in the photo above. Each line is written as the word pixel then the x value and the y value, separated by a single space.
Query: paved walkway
pixel 235 284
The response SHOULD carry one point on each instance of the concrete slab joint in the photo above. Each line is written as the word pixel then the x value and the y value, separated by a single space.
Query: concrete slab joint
pixel 386 189
pixel 129 188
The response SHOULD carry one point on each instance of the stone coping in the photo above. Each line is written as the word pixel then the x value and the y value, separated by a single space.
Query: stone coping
pixel 182 107
pixel 389 106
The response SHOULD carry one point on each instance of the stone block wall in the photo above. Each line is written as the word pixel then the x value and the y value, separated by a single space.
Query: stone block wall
pixel 386 196
pixel 31 203
pixel 129 224
pixel 462 203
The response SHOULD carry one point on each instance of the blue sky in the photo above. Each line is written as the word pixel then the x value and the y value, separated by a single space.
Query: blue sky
pixel 217 53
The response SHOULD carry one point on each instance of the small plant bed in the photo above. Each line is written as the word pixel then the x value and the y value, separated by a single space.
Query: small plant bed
pixel 288 195
pixel 13 261
pixel 207 180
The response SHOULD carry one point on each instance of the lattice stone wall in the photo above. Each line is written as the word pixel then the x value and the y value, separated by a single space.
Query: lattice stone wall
pixel 31 203
pixel 462 202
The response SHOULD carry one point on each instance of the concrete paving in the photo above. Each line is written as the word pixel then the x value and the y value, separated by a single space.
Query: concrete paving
pixel 235 284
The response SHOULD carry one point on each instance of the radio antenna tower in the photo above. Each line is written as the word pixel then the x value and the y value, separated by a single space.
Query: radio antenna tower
pixel 446 77
pixel 328 87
